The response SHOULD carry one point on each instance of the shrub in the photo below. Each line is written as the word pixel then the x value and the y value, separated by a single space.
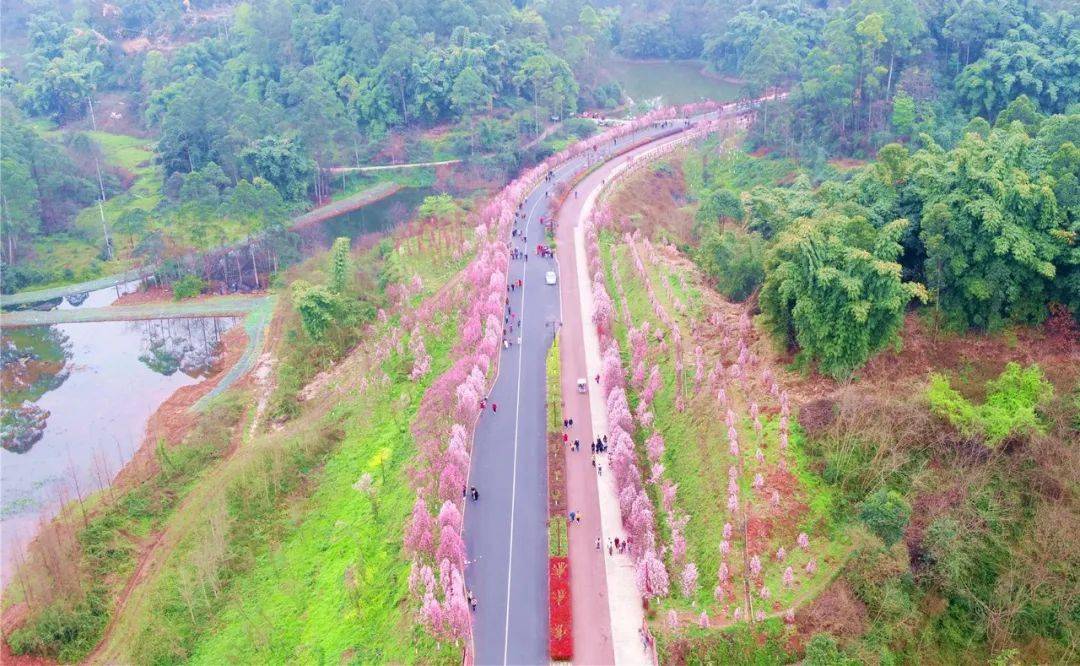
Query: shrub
pixel 886 513
pixel 1012 401
pixel 188 286
pixel 823 651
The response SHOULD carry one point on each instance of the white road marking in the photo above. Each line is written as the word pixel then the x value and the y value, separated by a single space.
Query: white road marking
pixel 513 477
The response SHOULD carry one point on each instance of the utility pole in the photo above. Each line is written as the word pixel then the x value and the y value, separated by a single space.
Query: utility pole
pixel 101 209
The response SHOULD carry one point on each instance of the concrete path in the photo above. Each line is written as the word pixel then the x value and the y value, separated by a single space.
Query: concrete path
pixel 212 306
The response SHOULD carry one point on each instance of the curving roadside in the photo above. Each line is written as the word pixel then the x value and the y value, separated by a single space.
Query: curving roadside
pixel 505 530
pixel 607 609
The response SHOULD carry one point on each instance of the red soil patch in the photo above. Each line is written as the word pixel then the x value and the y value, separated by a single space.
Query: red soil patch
pixel 836 610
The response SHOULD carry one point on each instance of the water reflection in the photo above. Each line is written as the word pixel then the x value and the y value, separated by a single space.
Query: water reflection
pixel 38 359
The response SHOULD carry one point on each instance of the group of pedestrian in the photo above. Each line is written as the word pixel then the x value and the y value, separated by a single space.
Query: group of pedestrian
pixel 600 445
pixel 575 517
pixel 471 492
pixel 544 251
pixel 471 598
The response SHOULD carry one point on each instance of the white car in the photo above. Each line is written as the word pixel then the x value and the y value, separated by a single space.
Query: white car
pixel 550 277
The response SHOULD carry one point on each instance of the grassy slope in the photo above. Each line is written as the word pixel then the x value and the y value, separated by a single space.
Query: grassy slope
pixel 336 586
pixel 317 570
pixel 74 251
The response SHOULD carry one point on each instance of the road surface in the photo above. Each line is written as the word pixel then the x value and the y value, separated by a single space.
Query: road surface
pixel 506 530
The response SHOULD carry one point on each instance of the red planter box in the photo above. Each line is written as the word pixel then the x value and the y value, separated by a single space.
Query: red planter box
pixel 560 625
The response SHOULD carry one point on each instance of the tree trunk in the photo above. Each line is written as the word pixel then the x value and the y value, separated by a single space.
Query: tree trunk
pixel 255 268
pixel 892 60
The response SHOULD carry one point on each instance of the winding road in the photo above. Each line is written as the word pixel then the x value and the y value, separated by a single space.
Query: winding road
pixel 506 530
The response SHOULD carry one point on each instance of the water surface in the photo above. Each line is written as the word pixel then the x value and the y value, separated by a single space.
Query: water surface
pixel 674 82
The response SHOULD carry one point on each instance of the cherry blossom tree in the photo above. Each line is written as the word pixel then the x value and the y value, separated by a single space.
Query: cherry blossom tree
pixel 651 576
pixel 431 614
pixel 456 619
pixel 803 541
pixel 672 620
pixel 703 620
pixel 418 533
pixel 689 580
pixel 789 577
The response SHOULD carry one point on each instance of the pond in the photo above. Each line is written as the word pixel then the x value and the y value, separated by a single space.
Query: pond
pixel 77 398
pixel 376 217
pixel 674 82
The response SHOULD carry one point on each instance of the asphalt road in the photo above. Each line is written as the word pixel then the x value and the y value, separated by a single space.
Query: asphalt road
pixel 506 530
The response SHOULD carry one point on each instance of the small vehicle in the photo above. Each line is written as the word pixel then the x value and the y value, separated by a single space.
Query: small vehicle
pixel 582 385
pixel 549 277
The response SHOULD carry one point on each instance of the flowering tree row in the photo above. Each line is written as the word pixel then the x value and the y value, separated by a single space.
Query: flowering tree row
pixel 754 572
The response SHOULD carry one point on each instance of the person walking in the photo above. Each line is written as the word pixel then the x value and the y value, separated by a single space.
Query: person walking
pixel 475 493
pixel 598 543
pixel 565 423
pixel 577 445
pixel 592 448
pixel 571 422
pixel 565 438
pixel 610 552
pixel 494 407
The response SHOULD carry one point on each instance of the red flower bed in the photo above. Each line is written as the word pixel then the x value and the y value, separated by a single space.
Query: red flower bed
pixel 560 634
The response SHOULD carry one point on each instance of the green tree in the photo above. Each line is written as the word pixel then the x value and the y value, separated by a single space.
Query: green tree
pixel 1021 109
pixel 320 309
pixel 734 260
pixel 886 514
pixel 990 230
pixel 189 286
pixel 470 96
pixel 340 266
pixel 131 222
pixel 282 162
pixel 903 113
pixel 833 287
pixel 718 204
pixel 821 650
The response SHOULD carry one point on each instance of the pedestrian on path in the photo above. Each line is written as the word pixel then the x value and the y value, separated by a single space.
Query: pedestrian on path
pixel 565 438
pixel 565 423
pixel 594 460
pixel 577 445
pixel 494 407
pixel 475 494
pixel 519 337
pixel 573 514
pixel 599 470
pixel 610 552
pixel 598 543
pixel 592 448
pixel 571 422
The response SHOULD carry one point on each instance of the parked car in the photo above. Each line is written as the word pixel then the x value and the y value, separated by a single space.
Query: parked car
pixel 550 277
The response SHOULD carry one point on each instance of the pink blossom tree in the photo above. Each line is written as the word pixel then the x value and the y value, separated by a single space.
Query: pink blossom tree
pixel 789 577
pixel 703 620
pixel 803 541
pixel 651 576
pixel 689 580
pixel 418 533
